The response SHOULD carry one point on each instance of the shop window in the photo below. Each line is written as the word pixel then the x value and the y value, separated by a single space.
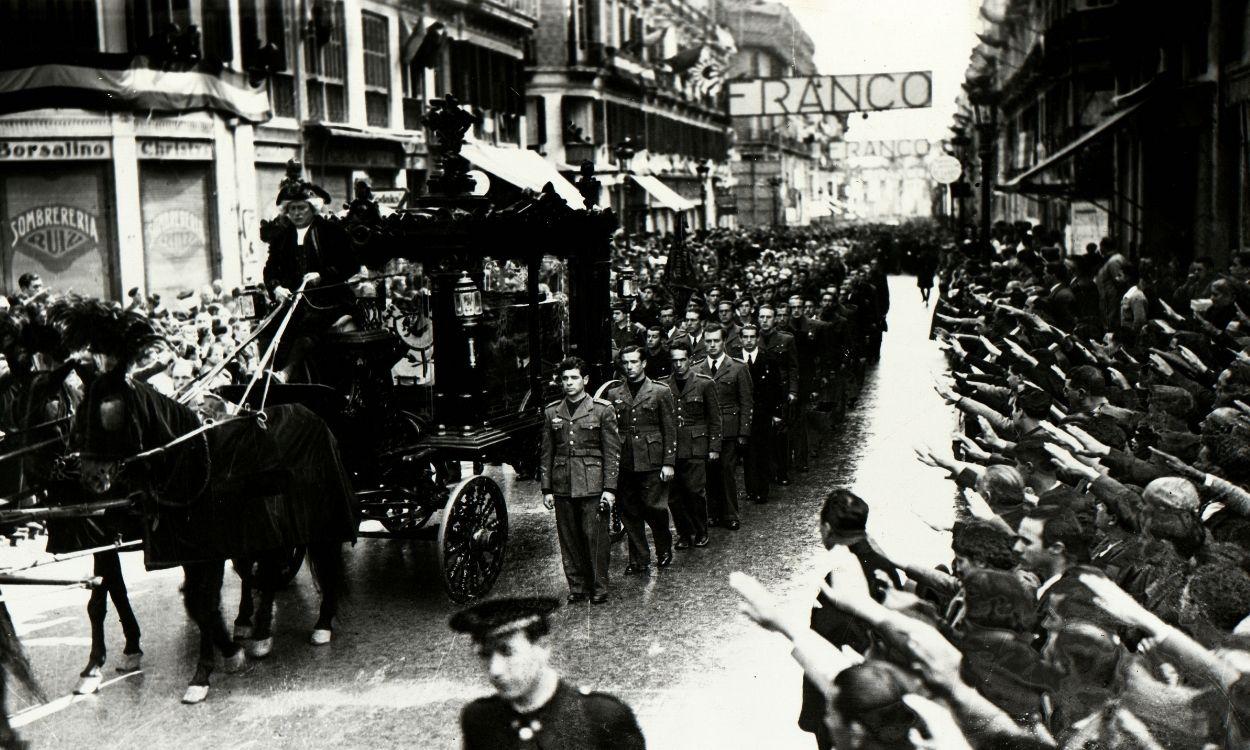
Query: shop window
pixel 414 94
pixel 535 122
pixel 326 69
pixel 56 220
pixel 47 31
pixel 179 252
pixel 376 30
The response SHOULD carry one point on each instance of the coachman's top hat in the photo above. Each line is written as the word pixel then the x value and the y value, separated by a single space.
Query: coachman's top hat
pixel 295 188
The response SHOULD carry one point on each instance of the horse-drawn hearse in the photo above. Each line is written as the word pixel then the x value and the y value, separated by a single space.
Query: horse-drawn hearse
pixel 463 308
pixel 466 310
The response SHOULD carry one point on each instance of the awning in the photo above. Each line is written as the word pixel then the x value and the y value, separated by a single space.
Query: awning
pixel 136 87
pixel 523 168
pixel 663 194
pixel 1021 181
pixel 403 137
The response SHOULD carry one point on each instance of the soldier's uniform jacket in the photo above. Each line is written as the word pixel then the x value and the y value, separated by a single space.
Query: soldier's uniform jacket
pixel 581 449
pixel 779 345
pixel 698 415
pixel 734 394
pixel 574 719
pixel 648 426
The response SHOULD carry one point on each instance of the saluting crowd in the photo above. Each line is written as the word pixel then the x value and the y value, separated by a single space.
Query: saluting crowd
pixel 1099 591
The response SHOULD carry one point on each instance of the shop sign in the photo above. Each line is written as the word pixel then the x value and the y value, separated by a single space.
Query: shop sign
pixel 176 234
pixel 276 154
pixel 59 149
pixel 389 197
pixel 359 158
pixel 164 148
pixel 56 234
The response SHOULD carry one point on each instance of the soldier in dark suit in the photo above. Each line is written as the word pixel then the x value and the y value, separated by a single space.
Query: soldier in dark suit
pixel 698 441
pixel 581 459
pixel 624 333
pixel 646 416
pixel 733 393
pixel 779 346
pixel 768 398
pixel 690 333
pixel 532 706
pixel 728 320
pixel 658 364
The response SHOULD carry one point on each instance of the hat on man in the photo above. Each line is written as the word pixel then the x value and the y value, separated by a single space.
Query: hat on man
pixel 294 188
pixel 495 618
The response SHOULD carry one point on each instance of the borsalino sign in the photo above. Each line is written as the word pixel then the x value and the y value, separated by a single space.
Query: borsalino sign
pixel 62 149
pixel 55 234
pixel 815 95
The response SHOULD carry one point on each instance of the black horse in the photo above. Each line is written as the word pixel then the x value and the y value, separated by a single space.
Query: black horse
pixel 248 488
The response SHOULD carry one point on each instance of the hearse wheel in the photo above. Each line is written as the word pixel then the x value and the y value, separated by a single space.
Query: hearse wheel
pixel 472 539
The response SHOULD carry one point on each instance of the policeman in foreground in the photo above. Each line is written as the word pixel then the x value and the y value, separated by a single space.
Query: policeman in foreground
pixel 532 707
pixel 580 463
pixel 646 418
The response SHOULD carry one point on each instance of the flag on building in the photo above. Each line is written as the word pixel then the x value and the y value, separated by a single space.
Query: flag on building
pixel 707 75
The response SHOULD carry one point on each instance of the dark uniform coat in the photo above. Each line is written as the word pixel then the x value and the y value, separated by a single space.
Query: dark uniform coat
pixel 779 346
pixel 581 449
pixel 648 426
pixel 326 250
pixel 733 393
pixel 768 389
pixel 572 720
pixel 697 349
pixel 698 416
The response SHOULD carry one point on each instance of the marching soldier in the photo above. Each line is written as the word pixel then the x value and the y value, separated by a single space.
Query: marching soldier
pixel 647 419
pixel 532 706
pixel 580 463
pixel 733 393
pixel 728 320
pixel 779 346
pixel 690 333
pixel 768 399
pixel 698 441
pixel 656 350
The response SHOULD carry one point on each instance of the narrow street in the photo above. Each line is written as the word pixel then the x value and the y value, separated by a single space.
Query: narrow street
pixel 696 672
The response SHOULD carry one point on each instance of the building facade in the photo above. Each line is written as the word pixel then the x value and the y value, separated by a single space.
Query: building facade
pixel 143 141
pixel 612 72
pixel 782 165
pixel 1100 120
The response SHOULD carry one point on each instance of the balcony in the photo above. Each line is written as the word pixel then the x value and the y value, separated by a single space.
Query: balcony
pixel 522 13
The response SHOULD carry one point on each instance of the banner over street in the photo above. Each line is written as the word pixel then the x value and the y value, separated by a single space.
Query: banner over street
pixel 813 95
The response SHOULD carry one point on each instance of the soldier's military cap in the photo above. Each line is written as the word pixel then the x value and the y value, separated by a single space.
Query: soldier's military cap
pixel 494 618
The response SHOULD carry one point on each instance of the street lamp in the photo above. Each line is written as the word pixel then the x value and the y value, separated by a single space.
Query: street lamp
pixel 625 151
pixel 467 304
pixel 703 170
pixel 985 113
pixel 776 182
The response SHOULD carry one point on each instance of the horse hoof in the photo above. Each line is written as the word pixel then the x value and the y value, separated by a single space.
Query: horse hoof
pixel 130 663
pixel 234 662
pixel 321 636
pixel 261 648
pixel 243 632
pixel 195 694
pixel 88 685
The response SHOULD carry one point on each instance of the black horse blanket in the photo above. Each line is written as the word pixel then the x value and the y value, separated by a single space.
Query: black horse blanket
pixel 242 487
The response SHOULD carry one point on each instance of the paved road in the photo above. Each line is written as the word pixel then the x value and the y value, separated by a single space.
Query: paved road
pixel 673 646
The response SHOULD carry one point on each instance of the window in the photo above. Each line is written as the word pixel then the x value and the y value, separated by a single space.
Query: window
pixel 47 31
pixel 376 30
pixel 536 122
pixel 326 68
pixel 414 95
pixel 263 22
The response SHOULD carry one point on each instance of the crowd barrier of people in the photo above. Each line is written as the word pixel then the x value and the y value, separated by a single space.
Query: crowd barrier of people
pixel 1099 594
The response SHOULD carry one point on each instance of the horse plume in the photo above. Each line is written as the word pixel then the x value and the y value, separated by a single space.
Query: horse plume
pixel 102 328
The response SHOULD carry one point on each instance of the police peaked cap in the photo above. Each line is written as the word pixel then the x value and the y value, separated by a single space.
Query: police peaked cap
pixel 494 618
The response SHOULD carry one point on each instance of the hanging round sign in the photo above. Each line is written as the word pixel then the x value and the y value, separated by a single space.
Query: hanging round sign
pixel 945 169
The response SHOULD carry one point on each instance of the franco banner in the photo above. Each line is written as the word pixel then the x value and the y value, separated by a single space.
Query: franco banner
pixel 814 95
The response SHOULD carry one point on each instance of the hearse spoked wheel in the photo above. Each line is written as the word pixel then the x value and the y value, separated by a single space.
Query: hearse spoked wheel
pixel 472 539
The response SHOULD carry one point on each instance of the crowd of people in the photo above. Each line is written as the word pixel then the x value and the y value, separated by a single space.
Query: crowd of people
pixel 1099 592
pixel 202 330
pixel 752 371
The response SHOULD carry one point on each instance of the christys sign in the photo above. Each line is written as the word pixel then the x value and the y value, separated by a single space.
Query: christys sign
pixel 55 235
